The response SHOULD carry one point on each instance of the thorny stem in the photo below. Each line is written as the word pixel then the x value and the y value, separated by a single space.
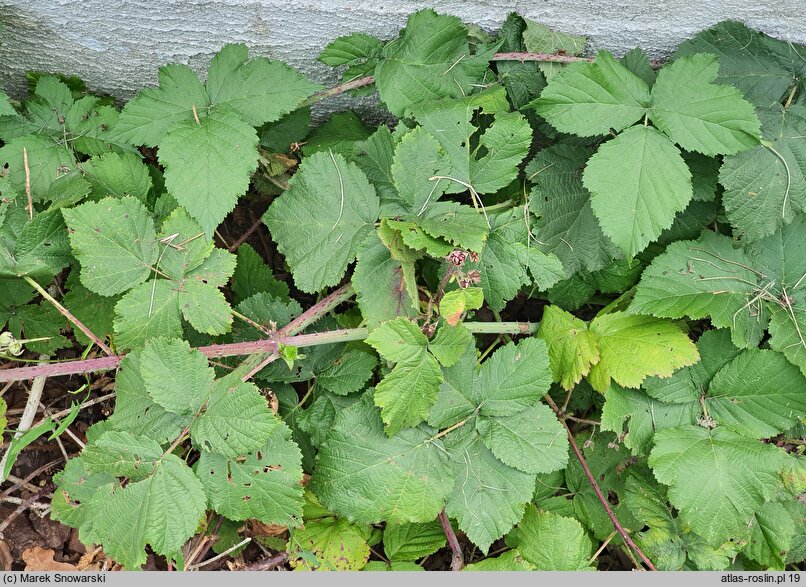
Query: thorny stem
pixel 457 558
pixel 592 480
pixel 508 56
pixel 66 313
pixel 256 347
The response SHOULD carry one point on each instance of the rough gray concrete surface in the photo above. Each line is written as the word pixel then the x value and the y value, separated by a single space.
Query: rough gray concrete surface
pixel 117 45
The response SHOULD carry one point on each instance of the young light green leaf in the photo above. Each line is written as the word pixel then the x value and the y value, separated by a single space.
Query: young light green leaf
pixel 588 99
pixel 572 347
pixel 698 114
pixel 638 182
pixel 633 347
pixel 334 201
pixel 407 393
pixel 458 301
pixel 115 242
pixel 418 158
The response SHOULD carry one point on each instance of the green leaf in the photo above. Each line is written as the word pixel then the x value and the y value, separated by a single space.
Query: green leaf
pixel 646 416
pixel 162 511
pixel 461 225
pixel 235 421
pixel 349 48
pixel 153 112
pixel 333 543
pixel 633 347
pixel 175 376
pixel 115 242
pixel 687 385
pixel 758 393
pixel 265 485
pixel 209 191
pixel 698 114
pixel 538 38
pixel 362 473
pixel 135 410
pixel 566 224
pixel 419 157
pixel 76 487
pixel 399 341
pixel 39 248
pixel 458 301
pixel 588 99
pixel 384 285
pixel 572 347
pixel 339 134
pixel 409 542
pixel 554 543
pixel 511 560
pixel 117 174
pixel 258 90
pixel 514 377
pixel 703 278
pixel 338 210
pixel 765 187
pixel 406 394
pixel 47 161
pixel 449 345
pixel 149 310
pixel 348 372
pixel 533 441
pixel 718 479
pixel 489 497
pixel 6 109
pixel 430 60
pixel 771 536
pixel 638 182
pixel 763 68
pixel 637 62
pixel 504 143
pixel 253 276
pixel 124 455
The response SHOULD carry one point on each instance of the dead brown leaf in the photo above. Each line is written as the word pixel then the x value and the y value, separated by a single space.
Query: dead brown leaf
pixel 41 559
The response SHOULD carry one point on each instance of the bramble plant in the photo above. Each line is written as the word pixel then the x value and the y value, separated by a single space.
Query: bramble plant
pixel 559 305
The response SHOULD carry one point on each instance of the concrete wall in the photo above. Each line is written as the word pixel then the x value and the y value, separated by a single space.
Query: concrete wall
pixel 116 46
